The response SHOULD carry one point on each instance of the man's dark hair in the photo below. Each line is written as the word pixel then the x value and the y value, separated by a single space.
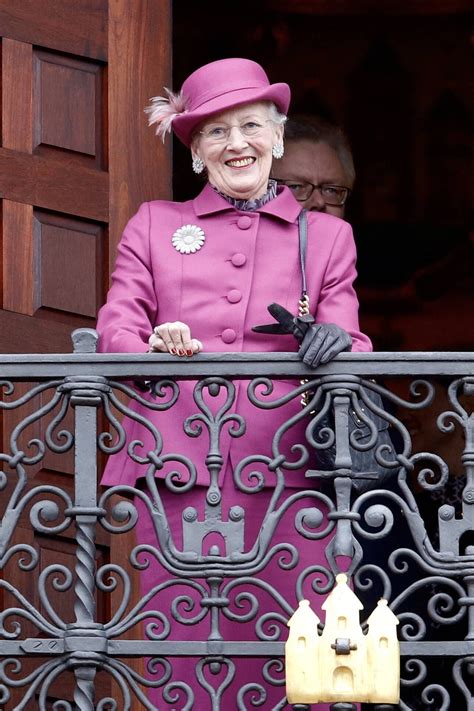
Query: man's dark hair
pixel 314 128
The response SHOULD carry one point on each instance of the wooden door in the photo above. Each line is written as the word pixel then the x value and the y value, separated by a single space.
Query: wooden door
pixel 76 160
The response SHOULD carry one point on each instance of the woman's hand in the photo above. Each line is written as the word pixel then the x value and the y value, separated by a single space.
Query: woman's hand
pixel 322 342
pixel 174 338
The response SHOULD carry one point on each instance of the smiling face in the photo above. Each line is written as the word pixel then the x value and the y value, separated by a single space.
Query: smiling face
pixel 238 165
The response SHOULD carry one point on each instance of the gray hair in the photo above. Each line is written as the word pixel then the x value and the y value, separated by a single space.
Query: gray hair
pixel 275 115
pixel 319 130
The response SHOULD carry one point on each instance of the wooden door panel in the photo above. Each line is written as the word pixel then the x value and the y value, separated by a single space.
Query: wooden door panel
pixel 19 288
pixel 76 160
pixel 76 26
pixel 24 334
pixel 139 67
pixel 58 264
pixel 54 184
pixel 16 95
pixel 68 96
pixel 71 263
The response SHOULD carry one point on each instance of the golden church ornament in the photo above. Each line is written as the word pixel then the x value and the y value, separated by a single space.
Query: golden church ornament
pixel 188 239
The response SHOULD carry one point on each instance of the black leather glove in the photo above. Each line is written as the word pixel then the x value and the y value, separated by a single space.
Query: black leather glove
pixel 320 342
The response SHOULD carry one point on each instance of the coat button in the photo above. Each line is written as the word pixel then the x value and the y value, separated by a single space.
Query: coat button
pixel 238 259
pixel 234 296
pixel 229 335
pixel 244 222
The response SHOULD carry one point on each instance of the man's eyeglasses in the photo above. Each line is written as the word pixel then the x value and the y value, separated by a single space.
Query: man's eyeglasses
pixel 335 195
pixel 219 133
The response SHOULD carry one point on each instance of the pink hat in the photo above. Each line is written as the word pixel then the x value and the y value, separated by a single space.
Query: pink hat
pixel 213 88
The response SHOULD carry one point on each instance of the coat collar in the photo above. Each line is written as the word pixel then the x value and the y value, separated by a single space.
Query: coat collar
pixel 284 206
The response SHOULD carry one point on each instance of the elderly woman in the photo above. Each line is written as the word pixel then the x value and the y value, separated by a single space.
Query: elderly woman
pixel 197 276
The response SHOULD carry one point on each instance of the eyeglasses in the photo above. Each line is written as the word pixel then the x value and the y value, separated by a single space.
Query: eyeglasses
pixel 334 195
pixel 219 133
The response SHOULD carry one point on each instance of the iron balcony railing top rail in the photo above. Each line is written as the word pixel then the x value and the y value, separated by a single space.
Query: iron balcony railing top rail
pixel 380 529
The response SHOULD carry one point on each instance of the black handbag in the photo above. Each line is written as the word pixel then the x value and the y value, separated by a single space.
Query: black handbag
pixel 367 472
pixel 364 461
pixel 363 423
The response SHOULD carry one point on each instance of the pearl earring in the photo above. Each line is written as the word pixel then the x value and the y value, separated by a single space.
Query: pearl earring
pixel 198 165
pixel 278 150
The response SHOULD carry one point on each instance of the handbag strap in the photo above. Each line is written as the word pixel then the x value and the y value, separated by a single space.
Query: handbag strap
pixel 303 303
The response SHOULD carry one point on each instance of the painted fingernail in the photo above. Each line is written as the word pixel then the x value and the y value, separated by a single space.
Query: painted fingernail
pixel 189 352
pixel 173 351
pixel 181 352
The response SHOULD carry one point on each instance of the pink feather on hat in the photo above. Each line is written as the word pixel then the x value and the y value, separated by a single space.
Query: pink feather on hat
pixel 164 109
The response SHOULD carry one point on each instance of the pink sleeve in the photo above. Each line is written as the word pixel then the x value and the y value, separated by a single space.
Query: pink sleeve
pixel 126 320
pixel 338 301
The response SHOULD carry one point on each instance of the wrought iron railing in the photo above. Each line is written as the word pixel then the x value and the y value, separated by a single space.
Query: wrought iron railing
pixel 229 580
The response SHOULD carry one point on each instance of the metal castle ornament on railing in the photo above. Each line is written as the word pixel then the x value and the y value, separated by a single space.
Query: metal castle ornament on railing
pixel 242 526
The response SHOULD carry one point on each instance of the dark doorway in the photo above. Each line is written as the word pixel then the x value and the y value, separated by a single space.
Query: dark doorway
pixel 397 77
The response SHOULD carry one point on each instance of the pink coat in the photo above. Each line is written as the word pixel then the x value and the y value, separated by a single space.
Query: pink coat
pixel 248 260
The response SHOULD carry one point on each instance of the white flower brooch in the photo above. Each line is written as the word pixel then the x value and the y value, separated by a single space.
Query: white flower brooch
pixel 188 239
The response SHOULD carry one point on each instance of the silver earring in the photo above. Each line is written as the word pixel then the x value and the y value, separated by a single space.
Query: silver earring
pixel 198 165
pixel 278 150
